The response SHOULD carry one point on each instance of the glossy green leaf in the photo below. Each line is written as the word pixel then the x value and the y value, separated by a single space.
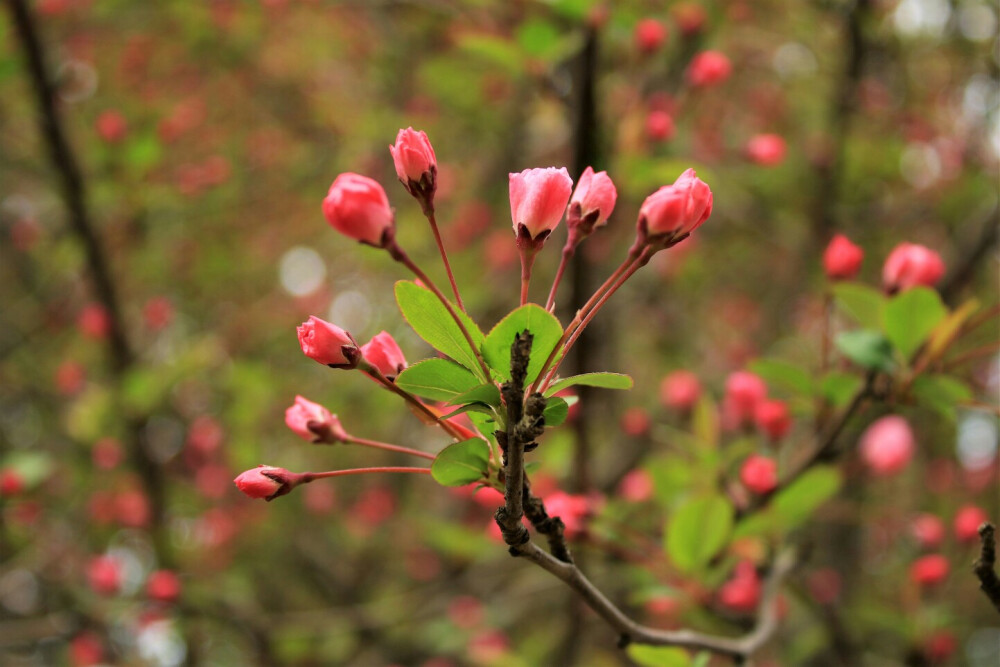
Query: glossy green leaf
pixel 487 394
pixel 658 656
pixel 784 374
pixel 838 388
pixel 432 322
pixel 861 302
pixel 697 531
pixel 436 379
pixel 868 349
pixel 556 411
pixel 545 329
pixel 461 463
pixel 910 317
pixel 602 380
pixel 941 393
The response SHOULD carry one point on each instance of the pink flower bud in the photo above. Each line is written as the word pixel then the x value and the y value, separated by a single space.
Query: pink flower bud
pixel 94 321
pixel 929 570
pixel 773 419
pixel 940 646
pixel 314 423
pixel 266 482
pixel 680 390
pixel 887 445
pixel 690 17
pixel 158 313
pixel 708 68
pixel 328 344
pixel 636 422
pixel 383 353
pixel 744 391
pixel 111 126
pixel 416 164
pixel 537 200
pixel 767 150
pixel 11 483
pixel 928 531
pixel 591 204
pixel 842 259
pixel 967 523
pixel 86 649
pixel 104 574
pixel 650 36
pixel 659 126
pixel 357 206
pixel 636 486
pixel 911 265
pixel 759 474
pixel 742 592
pixel 163 586
pixel 574 510
pixel 675 210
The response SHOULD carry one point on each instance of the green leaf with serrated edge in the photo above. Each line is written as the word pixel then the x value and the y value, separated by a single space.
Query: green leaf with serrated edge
pixel 658 656
pixel 545 329
pixel 697 531
pixel 432 322
pixel 556 411
pixel 461 463
pixel 777 373
pixel 910 317
pixel 838 388
pixel 436 379
pixel 794 504
pixel 868 349
pixel 861 302
pixel 602 380
pixel 487 394
pixel 941 393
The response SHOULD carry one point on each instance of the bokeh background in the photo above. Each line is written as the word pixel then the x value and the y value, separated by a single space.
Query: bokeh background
pixel 207 134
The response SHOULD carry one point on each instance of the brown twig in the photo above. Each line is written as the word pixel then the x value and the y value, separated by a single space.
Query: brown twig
pixel 989 583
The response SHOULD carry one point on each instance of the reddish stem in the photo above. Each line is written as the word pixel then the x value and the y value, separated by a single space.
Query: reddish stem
pixel 444 258
pixel 307 477
pixel 390 448
pixel 409 398
pixel 567 254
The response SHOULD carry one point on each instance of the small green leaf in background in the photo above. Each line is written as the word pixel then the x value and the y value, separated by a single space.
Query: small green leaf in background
pixel 861 302
pixel 658 656
pixel 556 411
pixel 838 388
pixel 544 328
pixel 537 37
pixel 941 393
pixel 602 380
pixel 784 374
pixel 697 530
pixel 944 333
pixel 795 504
pixel 436 379
pixel 910 317
pixel 866 348
pixel 487 394
pixel 461 463
pixel 33 467
pixel 705 422
pixel 432 322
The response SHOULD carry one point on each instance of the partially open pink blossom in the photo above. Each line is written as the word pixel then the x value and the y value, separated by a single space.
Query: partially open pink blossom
pixel 842 259
pixel 675 210
pixel 357 206
pixel 592 202
pixel 328 344
pixel 415 162
pixel 314 423
pixel 911 265
pixel 887 445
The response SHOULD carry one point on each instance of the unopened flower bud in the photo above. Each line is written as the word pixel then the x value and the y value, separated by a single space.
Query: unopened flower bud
pixel 328 344
pixel 357 206
pixel 680 390
pixel 104 574
pixel 929 570
pixel 887 445
pixel 842 259
pixel 773 419
pixel 312 422
pixel 759 474
pixel 267 482
pixel 537 200
pixel 416 164
pixel 163 586
pixel 590 206
pixel 766 150
pixel 674 211
pixel 911 265
pixel 659 126
pixel 383 353
pixel 650 35
pixel 967 523
pixel 744 392
pixel 708 68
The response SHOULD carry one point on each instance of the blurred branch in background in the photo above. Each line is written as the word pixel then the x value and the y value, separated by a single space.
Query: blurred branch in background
pixel 985 565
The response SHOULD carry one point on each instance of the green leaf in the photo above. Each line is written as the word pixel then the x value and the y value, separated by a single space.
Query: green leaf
pixel 697 531
pixel 784 374
pixel 461 463
pixel 910 317
pixel 945 332
pixel 556 411
pixel 602 380
pixel 866 348
pixel 487 394
pixel 432 322
pixel 941 393
pixel 543 326
pixel 436 379
pixel 537 37
pixel 795 504
pixel 861 302
pixel 33 467
pixel 658 656
pixel 838 388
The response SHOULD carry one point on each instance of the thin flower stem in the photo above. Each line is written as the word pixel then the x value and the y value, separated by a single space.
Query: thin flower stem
pixel 310 476
pixel 636 264
pixel 400 255
pixel 391 448
pixel 525 281
pixel 567 254
pixel 444 258
pixel 412 400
